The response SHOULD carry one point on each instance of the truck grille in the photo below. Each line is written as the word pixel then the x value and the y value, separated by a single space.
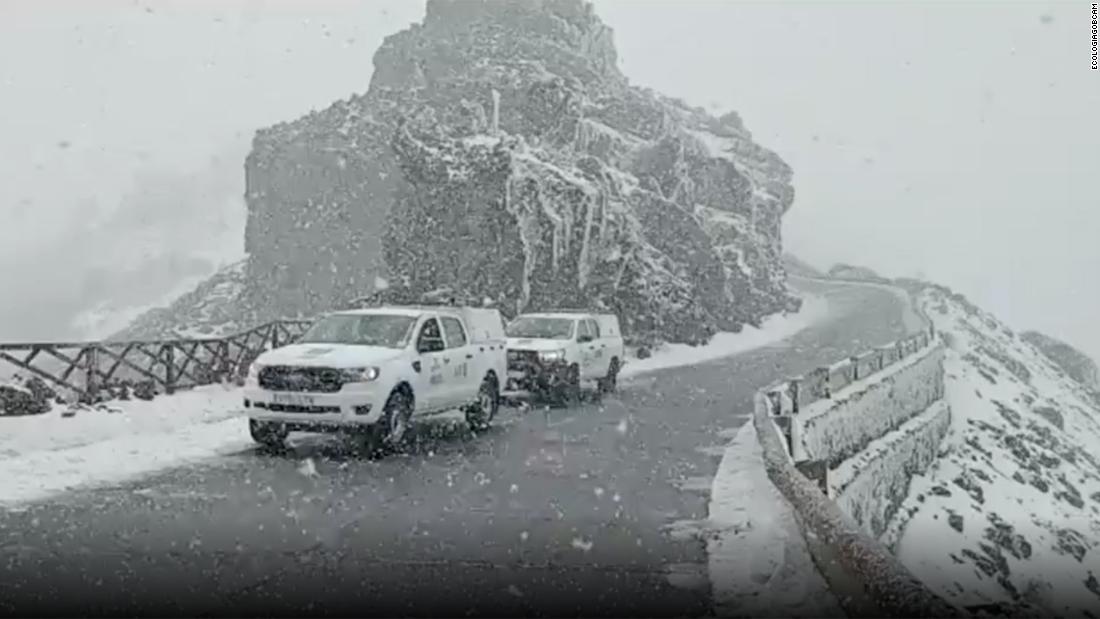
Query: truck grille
pixel 293 408
pixel 289 378
pixel 522 359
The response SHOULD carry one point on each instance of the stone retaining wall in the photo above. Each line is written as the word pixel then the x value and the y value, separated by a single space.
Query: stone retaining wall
pixel 869 423
pixel 871 486
pixel 865 577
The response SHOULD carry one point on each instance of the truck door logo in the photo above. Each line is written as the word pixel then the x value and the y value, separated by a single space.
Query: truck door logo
pixel 437 372
pixel 460 370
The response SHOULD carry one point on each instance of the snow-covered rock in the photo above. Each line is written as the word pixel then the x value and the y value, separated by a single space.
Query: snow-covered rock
pixel 22 396
pixel 499 151
pixel 1010 515
pixel 1072 361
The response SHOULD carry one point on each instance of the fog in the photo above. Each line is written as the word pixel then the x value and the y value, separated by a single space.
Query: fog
pixel 955 141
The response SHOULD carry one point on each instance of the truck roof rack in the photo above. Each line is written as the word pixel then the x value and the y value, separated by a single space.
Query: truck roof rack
pixel 420 306
pixel 562 310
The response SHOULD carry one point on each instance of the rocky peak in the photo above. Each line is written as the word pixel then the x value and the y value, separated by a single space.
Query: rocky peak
pixel 499 153
pixel 496 40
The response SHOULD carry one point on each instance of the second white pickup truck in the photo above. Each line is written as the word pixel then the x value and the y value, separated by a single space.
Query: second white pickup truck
pixel 554 353
pixel 374 370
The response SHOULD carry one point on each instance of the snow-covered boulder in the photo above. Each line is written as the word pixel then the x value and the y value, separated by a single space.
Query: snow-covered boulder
pixel 20 396
pixel 500 152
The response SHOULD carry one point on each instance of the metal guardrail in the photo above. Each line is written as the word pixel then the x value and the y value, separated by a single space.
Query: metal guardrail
pixel 87 369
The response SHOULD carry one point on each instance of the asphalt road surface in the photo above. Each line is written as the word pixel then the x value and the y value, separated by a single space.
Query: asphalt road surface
pixel 583 511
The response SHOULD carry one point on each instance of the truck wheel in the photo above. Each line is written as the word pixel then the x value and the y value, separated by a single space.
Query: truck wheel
pixel 481 413
pixel 610 382
pixel 392 428
pixel 268 434
pixel 569 391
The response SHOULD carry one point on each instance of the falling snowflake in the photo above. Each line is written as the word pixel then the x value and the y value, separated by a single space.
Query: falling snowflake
pixel 582 544
pixel 599 492
pixel 622 427
pixel 307 468
pixel 514 489
pixel 523 536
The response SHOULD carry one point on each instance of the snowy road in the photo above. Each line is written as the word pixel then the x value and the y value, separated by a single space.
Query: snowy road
pixel 565 511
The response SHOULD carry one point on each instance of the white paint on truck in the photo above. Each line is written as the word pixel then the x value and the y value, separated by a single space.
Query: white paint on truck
pixel 543 346
pixel 344 368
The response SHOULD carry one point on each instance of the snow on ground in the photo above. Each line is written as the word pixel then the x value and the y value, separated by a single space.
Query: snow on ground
pixel 773 329
pixel 42 455
pixel 1011 512
pixel 758 561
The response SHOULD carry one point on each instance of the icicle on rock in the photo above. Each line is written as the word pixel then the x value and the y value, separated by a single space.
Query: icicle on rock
pixel 496 112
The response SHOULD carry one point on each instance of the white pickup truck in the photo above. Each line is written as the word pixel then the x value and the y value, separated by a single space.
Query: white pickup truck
pixel 373 370
pixel 554 353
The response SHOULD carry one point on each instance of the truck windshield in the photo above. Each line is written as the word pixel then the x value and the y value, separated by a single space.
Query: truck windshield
pixel 541 328
pixel 384 330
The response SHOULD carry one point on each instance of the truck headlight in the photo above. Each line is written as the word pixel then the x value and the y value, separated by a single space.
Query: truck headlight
pixel 552 355
pixel 360 375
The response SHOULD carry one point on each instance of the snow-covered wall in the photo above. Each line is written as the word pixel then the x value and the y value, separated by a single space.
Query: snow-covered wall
pixel 874 420
pixel 872 485
pixel 840 427
pixel 864 576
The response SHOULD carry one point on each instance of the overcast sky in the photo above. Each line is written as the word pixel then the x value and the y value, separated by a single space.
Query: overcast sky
pixel 952 139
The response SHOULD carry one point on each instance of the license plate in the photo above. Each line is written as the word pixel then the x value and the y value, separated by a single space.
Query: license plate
pixel 516 374
pixel 292 399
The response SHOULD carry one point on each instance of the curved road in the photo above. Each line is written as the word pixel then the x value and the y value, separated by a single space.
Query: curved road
pixel 590 511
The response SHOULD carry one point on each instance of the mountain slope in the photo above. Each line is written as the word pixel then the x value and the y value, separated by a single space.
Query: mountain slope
pixel 850 271
pixel 1072 361
pixel 500 152
pixel 216 307
pixel 1010 514
pixel 798 267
